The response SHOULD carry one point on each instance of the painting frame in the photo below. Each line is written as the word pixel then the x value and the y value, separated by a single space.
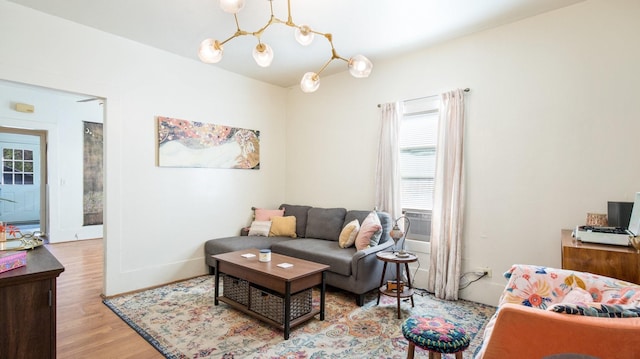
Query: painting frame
pixel 192 144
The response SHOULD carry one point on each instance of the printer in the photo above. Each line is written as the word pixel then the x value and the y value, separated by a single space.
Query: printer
pixel 612 235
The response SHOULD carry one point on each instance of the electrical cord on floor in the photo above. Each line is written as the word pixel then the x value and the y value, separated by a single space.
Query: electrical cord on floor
pixel 419 291
pixel 465 282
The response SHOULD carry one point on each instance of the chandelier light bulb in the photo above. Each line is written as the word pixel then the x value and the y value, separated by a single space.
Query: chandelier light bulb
pixel 304 35
pixel 310 82
pixel 360 66
pixel 232 6
pixel 210 51
pixel 263 54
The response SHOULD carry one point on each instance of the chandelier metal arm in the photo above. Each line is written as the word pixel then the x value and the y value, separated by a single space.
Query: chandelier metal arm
pixel 236 34
pixel 275 20
pixel 289 17
pixel 271 21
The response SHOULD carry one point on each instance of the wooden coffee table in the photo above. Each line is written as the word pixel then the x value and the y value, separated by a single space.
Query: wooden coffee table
pixel 283 281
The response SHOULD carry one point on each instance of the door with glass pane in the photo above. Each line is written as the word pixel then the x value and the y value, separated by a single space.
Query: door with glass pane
pixel 20 180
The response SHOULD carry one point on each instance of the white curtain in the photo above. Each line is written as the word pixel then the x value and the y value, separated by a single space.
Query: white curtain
pixel 387 182
pixel 448 203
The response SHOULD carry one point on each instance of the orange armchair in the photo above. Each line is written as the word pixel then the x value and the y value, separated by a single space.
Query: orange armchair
pixel 532 320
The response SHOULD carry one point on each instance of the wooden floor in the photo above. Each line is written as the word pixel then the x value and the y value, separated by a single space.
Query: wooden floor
pixel 86 328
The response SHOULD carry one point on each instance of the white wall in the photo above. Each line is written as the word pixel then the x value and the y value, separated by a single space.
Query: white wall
pixel 60 115
pixel 156 219
pixel 551 133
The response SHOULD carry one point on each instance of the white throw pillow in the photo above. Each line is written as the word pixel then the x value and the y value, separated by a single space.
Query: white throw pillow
pixel 260 228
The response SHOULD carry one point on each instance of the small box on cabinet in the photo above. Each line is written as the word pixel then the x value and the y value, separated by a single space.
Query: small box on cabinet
pixel 12 260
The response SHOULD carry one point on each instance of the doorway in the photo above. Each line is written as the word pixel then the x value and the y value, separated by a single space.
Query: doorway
pixel 57 126
pixel 23 182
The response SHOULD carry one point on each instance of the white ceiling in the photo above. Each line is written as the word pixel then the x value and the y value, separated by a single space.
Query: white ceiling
pixel 375 28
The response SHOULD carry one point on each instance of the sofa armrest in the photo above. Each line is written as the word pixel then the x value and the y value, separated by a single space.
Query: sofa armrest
pixel 523 332
pixel 364 256
pixel 244 231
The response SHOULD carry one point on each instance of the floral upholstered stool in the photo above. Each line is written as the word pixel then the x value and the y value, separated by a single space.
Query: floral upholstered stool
pixel 435 334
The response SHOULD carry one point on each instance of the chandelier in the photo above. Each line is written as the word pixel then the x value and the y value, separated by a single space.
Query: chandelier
pixel 211 50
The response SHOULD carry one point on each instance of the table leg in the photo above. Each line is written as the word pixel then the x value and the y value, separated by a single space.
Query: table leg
pixel 322 292
pixel 216 291
pixel 398 276
pixel 406 268
pixel 384 271
pixel 287 310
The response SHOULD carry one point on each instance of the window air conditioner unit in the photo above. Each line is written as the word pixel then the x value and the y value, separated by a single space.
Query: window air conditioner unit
pixel 420 228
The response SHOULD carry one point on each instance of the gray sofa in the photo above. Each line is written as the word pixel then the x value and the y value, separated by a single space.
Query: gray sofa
pixel 318 230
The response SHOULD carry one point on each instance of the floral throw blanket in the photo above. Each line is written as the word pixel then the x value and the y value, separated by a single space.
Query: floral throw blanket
pixel 571 292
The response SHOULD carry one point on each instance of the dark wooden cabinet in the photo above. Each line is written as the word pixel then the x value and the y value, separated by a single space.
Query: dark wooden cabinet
pixel 28 307
pixel 618 262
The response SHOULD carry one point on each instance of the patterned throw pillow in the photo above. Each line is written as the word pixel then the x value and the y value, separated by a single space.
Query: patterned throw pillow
pixel 597 310
pixel 260 228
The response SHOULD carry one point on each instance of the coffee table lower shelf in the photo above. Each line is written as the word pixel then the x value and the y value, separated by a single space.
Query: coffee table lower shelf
pixel 243 308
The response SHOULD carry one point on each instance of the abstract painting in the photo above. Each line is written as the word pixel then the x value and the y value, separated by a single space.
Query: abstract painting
pixel 183 143
pixel 92 174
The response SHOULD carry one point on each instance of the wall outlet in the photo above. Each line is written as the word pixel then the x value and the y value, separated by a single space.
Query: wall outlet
pixel 485 270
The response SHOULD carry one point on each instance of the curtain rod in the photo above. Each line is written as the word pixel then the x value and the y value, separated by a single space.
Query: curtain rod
pixel 421 98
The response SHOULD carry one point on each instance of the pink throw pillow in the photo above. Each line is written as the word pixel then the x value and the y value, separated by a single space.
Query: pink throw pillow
pixel 368 228
pixel 262 214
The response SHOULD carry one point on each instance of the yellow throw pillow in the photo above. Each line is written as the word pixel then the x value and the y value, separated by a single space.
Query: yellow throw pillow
pixel 283 227
pixel 348 234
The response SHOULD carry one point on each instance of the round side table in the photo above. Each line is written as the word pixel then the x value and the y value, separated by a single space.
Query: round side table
pixel 407 290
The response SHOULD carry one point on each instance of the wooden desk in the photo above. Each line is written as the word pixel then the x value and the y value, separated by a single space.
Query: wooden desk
pixel 612 261
pixel 28 307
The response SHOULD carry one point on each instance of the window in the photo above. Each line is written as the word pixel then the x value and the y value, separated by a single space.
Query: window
pixel 17 166
pixel 418 143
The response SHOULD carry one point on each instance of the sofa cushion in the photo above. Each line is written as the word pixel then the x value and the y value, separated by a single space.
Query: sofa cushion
pixel 283 227
pixel 231 244
pixel 319 251
pixel 325 223
pixel 300 212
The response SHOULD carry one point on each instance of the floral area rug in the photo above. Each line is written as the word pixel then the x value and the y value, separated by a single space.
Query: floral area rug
pixel 181 321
